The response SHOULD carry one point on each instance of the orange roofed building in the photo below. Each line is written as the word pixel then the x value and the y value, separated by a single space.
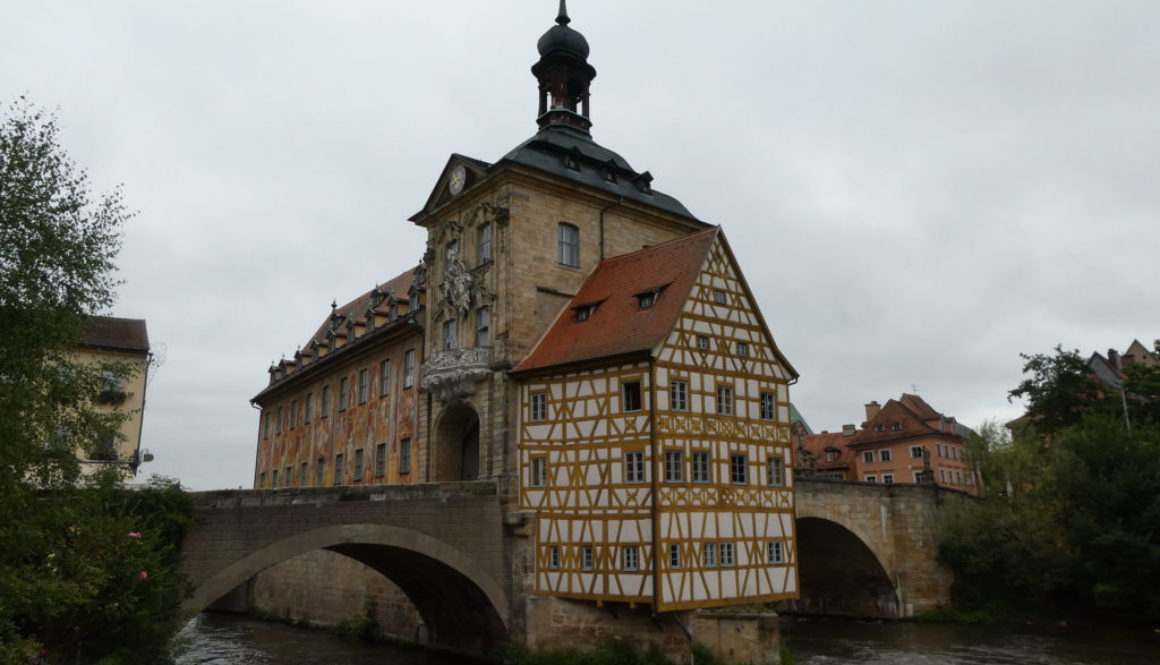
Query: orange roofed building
pixel 902 441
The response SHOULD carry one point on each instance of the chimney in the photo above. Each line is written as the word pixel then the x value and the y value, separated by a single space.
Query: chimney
pixel 848 430
pixel 872 410
pixel 1114 359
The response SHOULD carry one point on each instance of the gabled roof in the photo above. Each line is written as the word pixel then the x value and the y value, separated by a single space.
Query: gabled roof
pixel 818 444
pixel 107 332
pixel 618 326
pixel 914 417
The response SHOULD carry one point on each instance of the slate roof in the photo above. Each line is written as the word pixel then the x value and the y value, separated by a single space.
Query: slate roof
pixel 618 326
pixel 399 285
pixel 107 332
pixel 553 147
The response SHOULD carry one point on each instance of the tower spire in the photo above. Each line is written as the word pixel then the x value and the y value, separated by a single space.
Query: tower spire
pixel 564 75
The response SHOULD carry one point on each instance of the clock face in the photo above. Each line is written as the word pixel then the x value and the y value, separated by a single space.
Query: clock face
pixel 458 180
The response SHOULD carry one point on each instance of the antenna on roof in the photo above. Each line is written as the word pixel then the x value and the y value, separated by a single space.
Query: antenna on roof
pixel 913 389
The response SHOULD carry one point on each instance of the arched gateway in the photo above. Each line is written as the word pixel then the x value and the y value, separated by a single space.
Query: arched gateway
pixel 428 540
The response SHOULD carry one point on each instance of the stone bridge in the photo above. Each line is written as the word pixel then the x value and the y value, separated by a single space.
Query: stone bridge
pixel 870 550
pixel 442 544
pixel 863 549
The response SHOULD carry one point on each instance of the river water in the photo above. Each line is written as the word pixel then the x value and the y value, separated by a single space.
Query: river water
pixel 215 639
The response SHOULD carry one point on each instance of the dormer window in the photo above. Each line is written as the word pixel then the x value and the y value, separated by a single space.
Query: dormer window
pixel 879 428
pixel 647 300
pixel 897 427
pixel 584 312
pixel 572 160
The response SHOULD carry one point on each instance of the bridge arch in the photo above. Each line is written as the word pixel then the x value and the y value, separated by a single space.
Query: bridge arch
pixel 840 573
pixel 462 605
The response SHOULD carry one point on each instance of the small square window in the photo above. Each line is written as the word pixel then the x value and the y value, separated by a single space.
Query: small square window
pixel 884 455
pixel 584 312
pixel 888 479
pixel 879 428
pixel 647 300
pixel 630 393
pixel 897 427
pixel 871 479
pixel 742 349
pixel 719 297
pixel 916 452
pixel 702 342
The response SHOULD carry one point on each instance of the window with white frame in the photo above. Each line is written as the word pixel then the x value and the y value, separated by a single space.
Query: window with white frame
pixel 916 452
pixel 871 479
pixel 538 407
pixel 634 466
pixel 701 473
pixel 775 550
pixel 409 368
pixel 538 475
pixel 679 396
pixel 709 555
pixel 738 469
pixel 868 456
pixel 888 478
pixel 884 455
pixel 385 378
pixel 775 470
pixel 919 477
pixel 727 558
pixel 674 466
pixel 569 245
pixel 767 406
pixel 631 556
pixel 724 400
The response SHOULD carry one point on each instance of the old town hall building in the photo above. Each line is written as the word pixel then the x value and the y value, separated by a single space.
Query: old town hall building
pixel 583 341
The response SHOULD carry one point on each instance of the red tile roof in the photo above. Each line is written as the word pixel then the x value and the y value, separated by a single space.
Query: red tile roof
pixel 618 326
pixel 400 285
pixel 107 332
pixel 817 444
pixel 914 417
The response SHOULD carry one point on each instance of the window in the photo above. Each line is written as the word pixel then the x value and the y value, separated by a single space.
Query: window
pixel 916 452
pixel 674 467
pixel 364 385
pixel 584 312
pixel 919 477
pixel 586 557
pixel 303 474
pixel 700 466
pixel 888 478
pixel 631 554
pixel 775 470
pixel 738 470
pixel 409 368
pixel 767 404
pixel 884 455
pixel 483 327
pixel 871 479
pixel 405 455
pixel 634 467
pixel 674 556
pixel 831 455
pixel 338 464
pixel 897 427
pixel 274 479
pixel 742 349
pixel 775 551
pixel 554 556
pixel 868 456
pixel 709 555
pixel 647 300
pixel 343 393
pixel 630 395
pixel 943 474
pixel 702 342
pixel 679 396
pixel 319 471
pixel 308 409
pixel 269 419
pixel 325 406
pixel 358 465
pixel 380 460
pixel 539 407
pixel 384 378
pixel 879 428
pixel 484 246
pixel 724 400
pixel 450 333
pixel 727 554
pixel 569 250
pixel 278 430
pixel 719 296
pixel 293 413
pixel 539 472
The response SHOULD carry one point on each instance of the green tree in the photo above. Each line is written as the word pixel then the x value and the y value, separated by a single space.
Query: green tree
pixel 87 569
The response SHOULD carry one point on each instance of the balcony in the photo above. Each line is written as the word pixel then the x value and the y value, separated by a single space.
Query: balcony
pixel 452 375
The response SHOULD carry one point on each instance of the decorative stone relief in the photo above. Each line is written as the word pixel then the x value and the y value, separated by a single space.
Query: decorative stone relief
pixel 452 375
pixel 458 286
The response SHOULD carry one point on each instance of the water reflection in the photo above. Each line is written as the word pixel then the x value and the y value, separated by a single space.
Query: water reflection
pixel 833 641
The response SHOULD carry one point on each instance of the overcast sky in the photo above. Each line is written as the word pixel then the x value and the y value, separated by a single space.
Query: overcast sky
pixel 917 191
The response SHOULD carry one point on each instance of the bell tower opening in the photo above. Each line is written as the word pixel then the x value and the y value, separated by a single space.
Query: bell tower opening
pixel 564 76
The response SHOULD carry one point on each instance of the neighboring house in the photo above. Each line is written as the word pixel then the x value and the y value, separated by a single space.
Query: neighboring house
pixel 1110 369
pixel 903 441
pixel 585 342
pixel 125 342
